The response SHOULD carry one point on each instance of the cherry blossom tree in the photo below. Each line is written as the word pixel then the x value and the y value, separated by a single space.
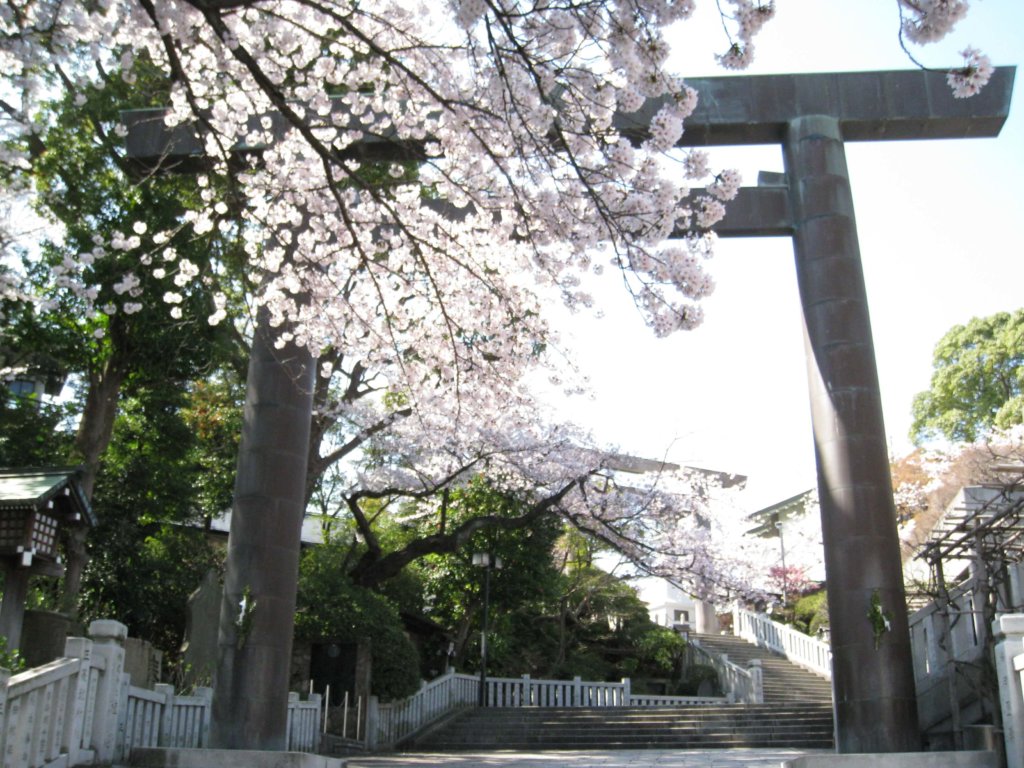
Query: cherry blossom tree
pixel 927 480
pixel 505 182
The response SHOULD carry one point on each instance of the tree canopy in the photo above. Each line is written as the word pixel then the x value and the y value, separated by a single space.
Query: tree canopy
pixel 405 190
pixel 977 382
pixel 507 183
pixel 147 389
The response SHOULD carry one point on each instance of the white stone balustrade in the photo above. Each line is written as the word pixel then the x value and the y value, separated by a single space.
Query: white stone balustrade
pixel 81 710
pixel 803 650
pixel 741 685
pixel 388 724
pixel 1008 631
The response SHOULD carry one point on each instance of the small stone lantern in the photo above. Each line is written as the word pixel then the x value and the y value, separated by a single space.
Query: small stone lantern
pixel 35 505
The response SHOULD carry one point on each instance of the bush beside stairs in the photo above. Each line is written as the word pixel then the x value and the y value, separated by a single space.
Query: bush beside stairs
pixel 797 713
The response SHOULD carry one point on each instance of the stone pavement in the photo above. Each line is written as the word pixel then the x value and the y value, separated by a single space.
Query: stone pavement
pixel 619 758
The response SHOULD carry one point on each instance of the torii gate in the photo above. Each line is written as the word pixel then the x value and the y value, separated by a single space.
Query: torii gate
pixel 811 116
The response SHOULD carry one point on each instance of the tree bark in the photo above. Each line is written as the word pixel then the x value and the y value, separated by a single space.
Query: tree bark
pixel 94 433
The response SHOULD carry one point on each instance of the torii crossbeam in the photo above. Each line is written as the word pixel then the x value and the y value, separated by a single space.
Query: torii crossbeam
pixel 811 116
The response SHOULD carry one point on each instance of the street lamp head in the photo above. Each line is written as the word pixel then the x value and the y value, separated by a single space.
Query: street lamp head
pixel 486 560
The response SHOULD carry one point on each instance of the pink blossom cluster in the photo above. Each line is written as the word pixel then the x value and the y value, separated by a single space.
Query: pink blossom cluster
pixel 973 76
pixel 749 16
pixel 928 21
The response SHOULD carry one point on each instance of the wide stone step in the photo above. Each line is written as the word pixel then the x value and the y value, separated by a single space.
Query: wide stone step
pixel 783 681
pixel 824 724
pixel 679 728
pixel 732 726
pixel 635 715
pixel 694 743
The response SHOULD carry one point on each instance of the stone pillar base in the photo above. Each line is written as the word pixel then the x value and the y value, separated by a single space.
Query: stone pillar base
pixel 899 760
pixel 160 757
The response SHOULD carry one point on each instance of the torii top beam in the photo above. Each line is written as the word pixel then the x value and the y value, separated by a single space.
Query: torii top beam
pixel 870 106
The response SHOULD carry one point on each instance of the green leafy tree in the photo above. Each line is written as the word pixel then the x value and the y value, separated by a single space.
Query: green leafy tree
pixel 331 607
pixel 552 613
pixel 602 624
pixel 522 627
pixel 977 383
pixel 33 433
pixel 93 325
pixel 664 651
pixel 150 550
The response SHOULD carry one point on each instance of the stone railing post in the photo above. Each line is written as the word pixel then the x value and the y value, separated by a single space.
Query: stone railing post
pixel 108 645
pixel 206 694
pixel 166 692
pixel 525 700
pixel 5 675
pixel 1008 631
pixel 756 681
pixel 372 722
pixel 627 692
pixel 75 740
pixel 293 699
pixel 577 692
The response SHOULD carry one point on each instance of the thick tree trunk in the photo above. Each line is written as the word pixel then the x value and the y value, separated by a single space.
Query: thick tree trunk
pixel 258 607
pixel 91 441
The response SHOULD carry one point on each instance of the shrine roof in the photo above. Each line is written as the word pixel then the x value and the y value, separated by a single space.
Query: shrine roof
pixel 34 488
pixel 789 509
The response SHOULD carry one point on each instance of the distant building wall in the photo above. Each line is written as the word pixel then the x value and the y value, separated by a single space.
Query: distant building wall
pixel 667 605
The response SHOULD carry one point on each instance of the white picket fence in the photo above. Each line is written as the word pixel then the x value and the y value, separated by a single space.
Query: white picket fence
pixel 81 710
pixel 388 724
pixel 808 652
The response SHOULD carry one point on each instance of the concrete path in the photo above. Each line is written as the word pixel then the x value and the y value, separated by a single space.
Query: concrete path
pixel 624 758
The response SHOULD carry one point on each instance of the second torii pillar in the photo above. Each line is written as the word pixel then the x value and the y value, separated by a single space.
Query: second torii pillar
pixel 812 116
pixel 873 682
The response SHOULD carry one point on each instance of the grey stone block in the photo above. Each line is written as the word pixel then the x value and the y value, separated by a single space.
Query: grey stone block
pixel 899 760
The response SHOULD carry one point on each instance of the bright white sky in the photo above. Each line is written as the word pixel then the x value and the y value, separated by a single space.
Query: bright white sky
pixel 939 231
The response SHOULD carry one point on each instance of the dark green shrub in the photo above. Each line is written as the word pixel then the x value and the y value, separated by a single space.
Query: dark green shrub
pixel 331 607
pixel 694 675
pixel 810 613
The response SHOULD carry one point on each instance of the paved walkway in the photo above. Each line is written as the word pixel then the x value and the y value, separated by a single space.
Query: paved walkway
pixel 619 758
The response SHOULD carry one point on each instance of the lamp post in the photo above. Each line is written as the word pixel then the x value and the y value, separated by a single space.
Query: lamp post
pixel 782 548
pixel 488 562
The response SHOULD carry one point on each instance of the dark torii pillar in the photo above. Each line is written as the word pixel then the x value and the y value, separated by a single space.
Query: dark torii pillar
pixel 812 116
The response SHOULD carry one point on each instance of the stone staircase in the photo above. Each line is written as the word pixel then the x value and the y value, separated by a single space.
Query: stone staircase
pixel 800 726
pixel 784 682
pixel 797 713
